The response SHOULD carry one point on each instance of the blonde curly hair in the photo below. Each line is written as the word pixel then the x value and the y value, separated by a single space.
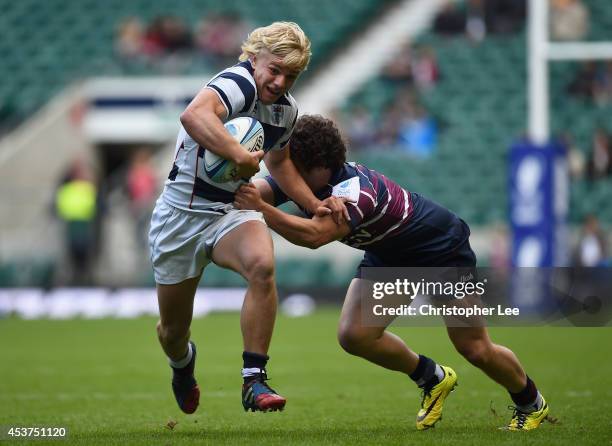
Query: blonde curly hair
pixel 285 40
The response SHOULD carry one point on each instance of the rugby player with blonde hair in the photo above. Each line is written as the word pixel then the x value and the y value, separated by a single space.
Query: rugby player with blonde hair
pixel 195 223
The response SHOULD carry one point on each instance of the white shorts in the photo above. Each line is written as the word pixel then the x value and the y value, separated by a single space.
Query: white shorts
pixel 181 242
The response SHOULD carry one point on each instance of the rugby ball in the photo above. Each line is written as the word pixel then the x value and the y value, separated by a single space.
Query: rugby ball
pixel 249 133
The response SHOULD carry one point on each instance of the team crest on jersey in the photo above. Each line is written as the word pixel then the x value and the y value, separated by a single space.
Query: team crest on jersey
pixel 277 113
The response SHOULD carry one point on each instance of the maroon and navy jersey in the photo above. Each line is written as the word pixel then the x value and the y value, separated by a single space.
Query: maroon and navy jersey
pixel 397 225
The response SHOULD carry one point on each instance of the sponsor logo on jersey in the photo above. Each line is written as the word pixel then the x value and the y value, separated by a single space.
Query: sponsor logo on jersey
pixel 348 189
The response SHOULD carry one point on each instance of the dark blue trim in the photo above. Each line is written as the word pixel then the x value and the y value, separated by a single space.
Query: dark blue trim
pixel 253 124
pixel 225 99
pixel 246 65
pixel 246 88
pixel 344 173
pixel 213 172
pixel 272 134
pixel 173 173
pixel 204 190
pixel 279 195
pixel 283 100
pixel 125 102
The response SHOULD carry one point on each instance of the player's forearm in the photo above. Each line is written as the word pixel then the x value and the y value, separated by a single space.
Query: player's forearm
pixel 207 130
pixel 291 183
pixel 299 231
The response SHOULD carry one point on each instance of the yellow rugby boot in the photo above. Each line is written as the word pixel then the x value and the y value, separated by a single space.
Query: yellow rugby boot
pixel 522 421
pixel 433 400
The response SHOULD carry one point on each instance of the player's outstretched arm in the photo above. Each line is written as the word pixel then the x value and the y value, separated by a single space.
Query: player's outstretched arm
pixel 289 179
pixel 202 121
pixel 292 184
pixel 311 233
pixel 265 190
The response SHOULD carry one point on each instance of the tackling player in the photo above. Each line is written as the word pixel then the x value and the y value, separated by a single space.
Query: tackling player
pixel 194 221
pixel 395 228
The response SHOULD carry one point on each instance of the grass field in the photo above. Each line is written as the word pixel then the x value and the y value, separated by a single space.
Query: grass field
pixel 108 382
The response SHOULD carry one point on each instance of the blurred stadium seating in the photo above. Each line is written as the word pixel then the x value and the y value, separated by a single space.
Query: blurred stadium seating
pixel 480 104
pixel 45 45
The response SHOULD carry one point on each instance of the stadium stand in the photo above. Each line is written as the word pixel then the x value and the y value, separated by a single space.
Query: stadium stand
pixel 480 104
pixel 40 54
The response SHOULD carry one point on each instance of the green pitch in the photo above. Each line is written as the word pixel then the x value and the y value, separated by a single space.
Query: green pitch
pixel 108 382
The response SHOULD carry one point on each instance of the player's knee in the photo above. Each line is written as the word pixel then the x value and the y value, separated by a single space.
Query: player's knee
pixel 477 352
pixel 169 333
pixel 260 271
pixel 352 339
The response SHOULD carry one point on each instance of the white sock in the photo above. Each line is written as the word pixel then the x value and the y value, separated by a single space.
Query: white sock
pixel 532 407
pixel 182 363
pixel 252 371
pixel 439 373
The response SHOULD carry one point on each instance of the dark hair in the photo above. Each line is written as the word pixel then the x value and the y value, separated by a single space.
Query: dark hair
pixel 316 142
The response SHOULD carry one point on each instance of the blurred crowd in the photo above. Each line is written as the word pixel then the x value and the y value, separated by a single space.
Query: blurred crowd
pixel 80 203
pixel 597 164
pixel 568 19
pixel 405 123
pixel 167 42
pixel 593 83
pixel 475 19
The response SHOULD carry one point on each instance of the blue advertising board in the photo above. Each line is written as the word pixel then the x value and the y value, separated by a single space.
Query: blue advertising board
pixel 539 201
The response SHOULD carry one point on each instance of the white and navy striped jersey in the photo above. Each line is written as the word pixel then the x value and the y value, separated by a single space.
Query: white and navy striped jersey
pixel 187 186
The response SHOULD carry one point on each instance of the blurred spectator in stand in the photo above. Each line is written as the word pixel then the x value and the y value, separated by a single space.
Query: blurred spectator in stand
pixel 575 157
pixel 600 161
pixel 359 127
pixel 475 28
pixel 153 42
pixel 76 205
pixel 583 84
pixel 504 16
pixel 219 37
pixel 418 133
pixel 388 130
pixel 176 36
pixel 451 20
pixel 168 44
pixel 569 20
pixel 411 127
pixel 142 191
pixel 602 86
pixel 591 249
pixel 476 18
pixel 129 42
pixel 399 71
pixel 425 68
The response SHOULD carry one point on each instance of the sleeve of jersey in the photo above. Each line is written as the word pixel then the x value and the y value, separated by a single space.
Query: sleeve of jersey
pixel 235 91
pixel 360 210
pixel 279 195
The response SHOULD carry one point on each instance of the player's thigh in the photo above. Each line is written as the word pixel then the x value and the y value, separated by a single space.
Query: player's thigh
pixel 246 245
pixel 176 302
pixel 351 316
